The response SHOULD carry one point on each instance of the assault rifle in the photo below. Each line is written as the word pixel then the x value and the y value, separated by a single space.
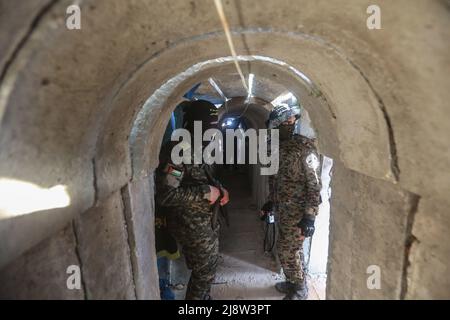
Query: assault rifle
pixel 217 208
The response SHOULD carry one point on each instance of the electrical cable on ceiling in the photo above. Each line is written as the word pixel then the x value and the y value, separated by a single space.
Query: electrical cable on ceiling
pixel 226 29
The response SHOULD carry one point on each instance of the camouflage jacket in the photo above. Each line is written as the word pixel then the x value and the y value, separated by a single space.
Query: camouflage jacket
pixel 183 187
pixel 297 182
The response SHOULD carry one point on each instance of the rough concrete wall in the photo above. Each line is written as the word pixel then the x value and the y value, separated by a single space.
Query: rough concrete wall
pixel 40 273
pixel 428 263
pixel 14 31
pixel 140 217
pixel 369 219
pixel 112 243
pixel 105 252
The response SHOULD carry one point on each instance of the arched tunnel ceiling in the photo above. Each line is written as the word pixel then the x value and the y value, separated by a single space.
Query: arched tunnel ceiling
pixel 231 85
pixel 164 99
pixel 255 111
pixel 69 99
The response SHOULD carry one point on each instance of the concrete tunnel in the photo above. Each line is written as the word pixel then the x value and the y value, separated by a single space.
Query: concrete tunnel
pixel 83 113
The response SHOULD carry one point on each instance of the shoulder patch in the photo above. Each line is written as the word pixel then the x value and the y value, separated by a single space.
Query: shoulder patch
pixel 312 161
pixel 174 175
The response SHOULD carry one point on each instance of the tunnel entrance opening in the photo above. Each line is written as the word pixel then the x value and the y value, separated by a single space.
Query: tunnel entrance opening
pixel 245 271
pixel 274 81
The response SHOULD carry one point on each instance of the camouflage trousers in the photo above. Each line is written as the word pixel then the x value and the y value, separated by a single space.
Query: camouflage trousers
pixel 200 246
pixel 289 243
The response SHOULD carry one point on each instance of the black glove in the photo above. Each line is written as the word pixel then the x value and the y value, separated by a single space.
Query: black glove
pixel 267 207
pixel 307 226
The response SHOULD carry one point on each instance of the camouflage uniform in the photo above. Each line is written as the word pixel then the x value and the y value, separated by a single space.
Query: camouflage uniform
pixel 295 190
pixel 189 219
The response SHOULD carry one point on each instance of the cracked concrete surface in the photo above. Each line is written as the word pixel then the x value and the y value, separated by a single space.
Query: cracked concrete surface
pixel 410 238
pixel 80 261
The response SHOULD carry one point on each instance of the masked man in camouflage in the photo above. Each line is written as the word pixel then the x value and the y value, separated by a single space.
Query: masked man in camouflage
pixel 186 193
pixel 295 197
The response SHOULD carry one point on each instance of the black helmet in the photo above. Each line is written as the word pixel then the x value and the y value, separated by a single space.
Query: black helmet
pixel 199 110
pixel 282 113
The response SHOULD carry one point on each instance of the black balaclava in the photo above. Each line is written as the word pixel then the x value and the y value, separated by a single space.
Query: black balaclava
pixel 286 131
pixel 199 110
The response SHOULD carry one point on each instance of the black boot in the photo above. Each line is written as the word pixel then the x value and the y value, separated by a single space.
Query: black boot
pixel 283 287
pixel 296 291
pixel 207 295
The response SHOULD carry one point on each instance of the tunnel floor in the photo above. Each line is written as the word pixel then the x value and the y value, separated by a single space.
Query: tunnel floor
pixel 245 271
